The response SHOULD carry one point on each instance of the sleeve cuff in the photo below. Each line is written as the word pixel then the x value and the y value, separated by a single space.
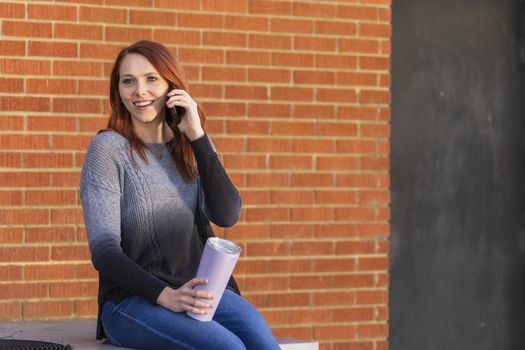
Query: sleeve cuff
pixel 202 145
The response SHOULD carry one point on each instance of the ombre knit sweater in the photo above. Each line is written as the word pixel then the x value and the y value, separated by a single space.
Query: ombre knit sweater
pixel 145 225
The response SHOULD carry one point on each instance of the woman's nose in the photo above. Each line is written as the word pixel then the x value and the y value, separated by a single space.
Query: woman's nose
pixel 140 89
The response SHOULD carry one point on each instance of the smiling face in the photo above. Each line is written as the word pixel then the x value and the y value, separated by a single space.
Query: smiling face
pixel 142 90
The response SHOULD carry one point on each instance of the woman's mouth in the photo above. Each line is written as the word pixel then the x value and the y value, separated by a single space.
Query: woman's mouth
pixel 143 104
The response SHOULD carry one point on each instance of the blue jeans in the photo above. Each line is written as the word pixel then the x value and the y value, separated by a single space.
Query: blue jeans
pixel 136 323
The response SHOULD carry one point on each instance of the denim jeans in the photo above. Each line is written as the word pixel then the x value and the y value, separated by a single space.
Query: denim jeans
pixel 136 323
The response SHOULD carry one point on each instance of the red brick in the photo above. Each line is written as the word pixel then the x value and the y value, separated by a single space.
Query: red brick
pixel 23 291
pixel 272 110
pixel 339 61
pixel 374 63
pixel 127 34
pixel 178 4
pixel 312 247
pixel 27 29
pixel 14 85
pixel 291 93
pixel 375 163
pixel 30 142
pixel 138 3
pixel 52 12
pixel 48 197
pixel 335 28
pixel 374 97
pixel 12 123
pixel 11 159
pixel 11 10
pixel 270 7
pixel 70 252
pixel 152 18
pixel 291 162
pixel 51 86
pixel 358 13
pixel 324 197
pixel 247 57
pixel 44 308
pixel 314 43
pixel 23 103
pixel 86 308
pixel 247 127
pixel 265 214
pixel 177 37
pixel 50 234
pixel 248 23
pixel 356 146
pixel 256 197
pixel 99 51
pixel 268 180
pixel 72 289
pixel 313 77
pixel 52 123
pixel 334 264
pixel 272 283
pixel 295 265
pixel 269 75
pixel 370 297
pixel 65 179
pixel 92 124
pixel 78 31
pixel 24 179
pixel 11 310
pixel 92 87
pixel 49 272
pixel 292 197
pixel 224 74
pixel 270 41
pixel 11 235
pixel 291 230
pixel 298 282
pixel 372 331
pixel 200 55
pixel 312 316
pixel 268 145
pixel 77 105
pixel 293 128
pixel 314 10
pixel 11 273
pixel 288 299
pixel 67 216
pixel 312 214
pixel 337 129
pixel 338 163
pixel 22 254
pixel 52 49
pixel 335 298
pixel 247 92
pixel 201 21
pixel 374 197
pixel 25 67
pixel 355 214
pixel 375 30
pixel 292 59
pixel 243 161
pixel 10 198
pixel 286 25
pixel 103 15
pixel 336 95
pixel 12 48
pixel 311 180
pixel 225 6
pixel 354 281
pixel 314 111
pixel 312 146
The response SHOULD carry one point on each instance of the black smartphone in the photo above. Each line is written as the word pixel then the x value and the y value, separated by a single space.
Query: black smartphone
pixel 176 112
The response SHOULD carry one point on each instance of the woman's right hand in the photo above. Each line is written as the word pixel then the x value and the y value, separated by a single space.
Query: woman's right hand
pixel 185 298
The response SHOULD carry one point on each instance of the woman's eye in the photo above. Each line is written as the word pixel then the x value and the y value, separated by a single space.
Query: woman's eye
pixel 152 78
pixel 127 81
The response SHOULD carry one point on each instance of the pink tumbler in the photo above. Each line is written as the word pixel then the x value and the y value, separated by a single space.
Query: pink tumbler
pixel 216 265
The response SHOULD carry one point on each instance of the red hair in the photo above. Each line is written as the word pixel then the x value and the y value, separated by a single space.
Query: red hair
pixel 120 119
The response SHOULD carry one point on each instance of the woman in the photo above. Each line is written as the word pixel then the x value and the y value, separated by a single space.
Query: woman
pixel 149 189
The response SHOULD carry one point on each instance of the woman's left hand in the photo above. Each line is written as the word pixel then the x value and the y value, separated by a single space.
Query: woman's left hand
pixel 190 123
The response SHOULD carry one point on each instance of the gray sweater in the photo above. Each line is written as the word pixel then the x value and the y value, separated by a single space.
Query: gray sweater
pixel 145 225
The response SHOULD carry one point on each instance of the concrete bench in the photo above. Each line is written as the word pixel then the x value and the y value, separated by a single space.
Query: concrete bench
pixel 80 334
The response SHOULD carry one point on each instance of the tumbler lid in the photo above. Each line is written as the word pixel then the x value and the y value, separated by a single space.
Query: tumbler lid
pixel 224 245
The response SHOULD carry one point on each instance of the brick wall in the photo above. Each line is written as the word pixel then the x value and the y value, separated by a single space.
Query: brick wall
pixel 297 98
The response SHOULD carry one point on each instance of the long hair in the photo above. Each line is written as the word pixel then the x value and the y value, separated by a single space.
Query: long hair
pixel 120 119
